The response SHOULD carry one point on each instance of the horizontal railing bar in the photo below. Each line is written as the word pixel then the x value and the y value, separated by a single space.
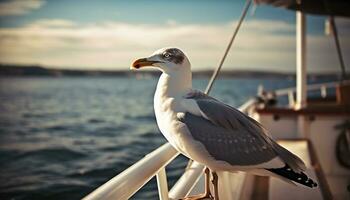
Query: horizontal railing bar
pixel 124 185
pixel 244 108
pixel 187 181
pixel 285 91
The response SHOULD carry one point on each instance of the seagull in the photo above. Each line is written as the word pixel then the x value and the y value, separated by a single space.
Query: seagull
pixel 211 132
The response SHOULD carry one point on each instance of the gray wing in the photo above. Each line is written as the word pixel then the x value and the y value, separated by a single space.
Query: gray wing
pixel 233 146
pixel 231 136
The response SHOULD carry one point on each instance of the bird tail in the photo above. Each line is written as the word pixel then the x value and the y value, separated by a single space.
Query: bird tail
pixel 288 173
pixel 293 161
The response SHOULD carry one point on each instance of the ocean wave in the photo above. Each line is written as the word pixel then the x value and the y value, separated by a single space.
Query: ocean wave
pixel 53 154
pixel 95 121
pixel 148 118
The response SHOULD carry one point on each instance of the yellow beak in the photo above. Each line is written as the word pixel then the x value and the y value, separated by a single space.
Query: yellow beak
pixel 137 64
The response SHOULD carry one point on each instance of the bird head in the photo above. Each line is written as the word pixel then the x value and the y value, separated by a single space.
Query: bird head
pixel 167 60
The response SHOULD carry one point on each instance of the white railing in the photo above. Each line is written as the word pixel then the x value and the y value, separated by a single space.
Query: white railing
pixel 289 92
pixel 320 86
pixel 187 181
pixel 127 183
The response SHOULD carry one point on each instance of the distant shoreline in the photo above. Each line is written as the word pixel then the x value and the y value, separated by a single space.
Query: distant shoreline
pixel 38 71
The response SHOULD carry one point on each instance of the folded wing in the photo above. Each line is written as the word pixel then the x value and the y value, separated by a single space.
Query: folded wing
pixel 231 136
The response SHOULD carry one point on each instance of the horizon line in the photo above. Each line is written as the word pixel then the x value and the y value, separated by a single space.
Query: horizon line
pixel 232 69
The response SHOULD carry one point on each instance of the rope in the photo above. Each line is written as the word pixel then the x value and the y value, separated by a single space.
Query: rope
pixel 217 70
pixel 337 44
pixel 336 39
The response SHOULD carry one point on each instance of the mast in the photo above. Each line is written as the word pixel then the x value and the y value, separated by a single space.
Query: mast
pixel 301 79
pixel 301 73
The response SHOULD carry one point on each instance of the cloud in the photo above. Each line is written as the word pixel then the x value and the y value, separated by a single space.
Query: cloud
pixel 19 7
pixel 261 44
pixel 51 23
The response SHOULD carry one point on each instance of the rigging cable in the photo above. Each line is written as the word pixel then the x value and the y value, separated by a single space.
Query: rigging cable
pixel 336 39
pixel 337 44
pixel 217 70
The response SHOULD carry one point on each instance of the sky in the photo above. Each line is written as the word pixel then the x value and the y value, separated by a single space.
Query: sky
pixel 110 34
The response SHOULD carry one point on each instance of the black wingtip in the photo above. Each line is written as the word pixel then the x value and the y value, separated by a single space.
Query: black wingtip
pixel 288 173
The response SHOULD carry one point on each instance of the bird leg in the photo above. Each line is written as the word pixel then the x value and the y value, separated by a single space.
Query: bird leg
pixel 206 194
pixel 215 182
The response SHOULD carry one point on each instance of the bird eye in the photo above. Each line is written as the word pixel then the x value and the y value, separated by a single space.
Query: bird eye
pixel 167 55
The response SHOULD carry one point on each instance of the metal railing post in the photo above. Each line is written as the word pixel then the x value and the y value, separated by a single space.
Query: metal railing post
pixel 291 100
pixel 323 91
pixel 162 184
